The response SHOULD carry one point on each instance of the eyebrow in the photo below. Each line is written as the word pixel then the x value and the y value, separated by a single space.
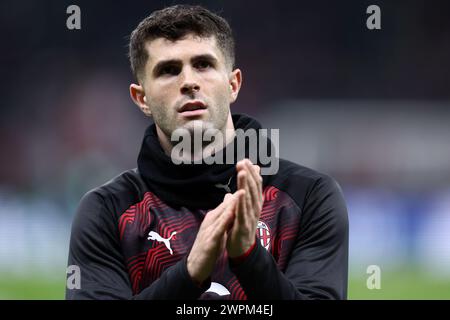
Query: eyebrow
pixel 206 56
pixel 163 63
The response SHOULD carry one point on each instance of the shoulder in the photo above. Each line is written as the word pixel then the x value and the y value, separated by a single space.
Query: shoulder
pixel 115 196
pixel 318 195
pixel 301 182
pixel 95 223
pixel 125 184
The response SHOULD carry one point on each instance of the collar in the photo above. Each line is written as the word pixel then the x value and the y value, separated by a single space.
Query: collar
pixel 197 186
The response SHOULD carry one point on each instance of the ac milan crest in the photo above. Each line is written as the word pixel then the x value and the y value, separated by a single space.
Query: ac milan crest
pixel 264 234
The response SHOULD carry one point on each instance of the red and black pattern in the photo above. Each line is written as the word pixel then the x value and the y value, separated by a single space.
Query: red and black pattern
pixel 281 215
pixel 147 259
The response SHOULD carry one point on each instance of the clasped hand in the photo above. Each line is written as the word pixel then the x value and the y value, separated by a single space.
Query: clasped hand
pixel 231 226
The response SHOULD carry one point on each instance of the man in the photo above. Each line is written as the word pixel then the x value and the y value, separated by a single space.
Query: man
pixel 194 230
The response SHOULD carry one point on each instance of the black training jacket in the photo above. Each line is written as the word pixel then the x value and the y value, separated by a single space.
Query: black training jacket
pixel 130 237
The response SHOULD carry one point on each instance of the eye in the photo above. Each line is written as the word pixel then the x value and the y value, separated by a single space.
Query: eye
pixel 203 64
pixel 169 70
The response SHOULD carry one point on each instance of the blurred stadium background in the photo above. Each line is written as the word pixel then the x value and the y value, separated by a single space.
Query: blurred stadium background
pixel 371 108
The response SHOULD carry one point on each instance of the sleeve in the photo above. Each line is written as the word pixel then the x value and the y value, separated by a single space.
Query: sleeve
pixel 318 266
pixel 96 255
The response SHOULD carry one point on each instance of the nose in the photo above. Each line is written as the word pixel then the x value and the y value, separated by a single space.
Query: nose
pixel 190 84
pixel 189 88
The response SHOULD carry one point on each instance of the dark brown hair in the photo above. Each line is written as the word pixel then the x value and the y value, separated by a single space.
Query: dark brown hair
pixel 173 23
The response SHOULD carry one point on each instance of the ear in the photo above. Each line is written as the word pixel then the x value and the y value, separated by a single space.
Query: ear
pixel 137 94
pixel 235 84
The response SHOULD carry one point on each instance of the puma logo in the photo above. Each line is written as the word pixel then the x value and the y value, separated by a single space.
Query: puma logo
pixel 224 186
pixel 152 235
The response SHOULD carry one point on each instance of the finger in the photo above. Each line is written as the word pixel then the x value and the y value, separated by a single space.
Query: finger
pixel 242 208
pixel 256 174
pixel 240 184
pixel 258 177
pixel 248 202
pixel 231 203
pixel 223 205
pixel 226 217
pixel 240 165
pixel 212 215
pixel 254 187
pixel 214 229
pixel 259 181
pixel 239 216
pixel 252 169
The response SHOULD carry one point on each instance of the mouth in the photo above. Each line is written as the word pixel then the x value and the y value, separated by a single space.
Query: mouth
pixel 193 108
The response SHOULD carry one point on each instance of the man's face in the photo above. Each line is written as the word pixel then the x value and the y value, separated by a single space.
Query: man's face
pixel 187 82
